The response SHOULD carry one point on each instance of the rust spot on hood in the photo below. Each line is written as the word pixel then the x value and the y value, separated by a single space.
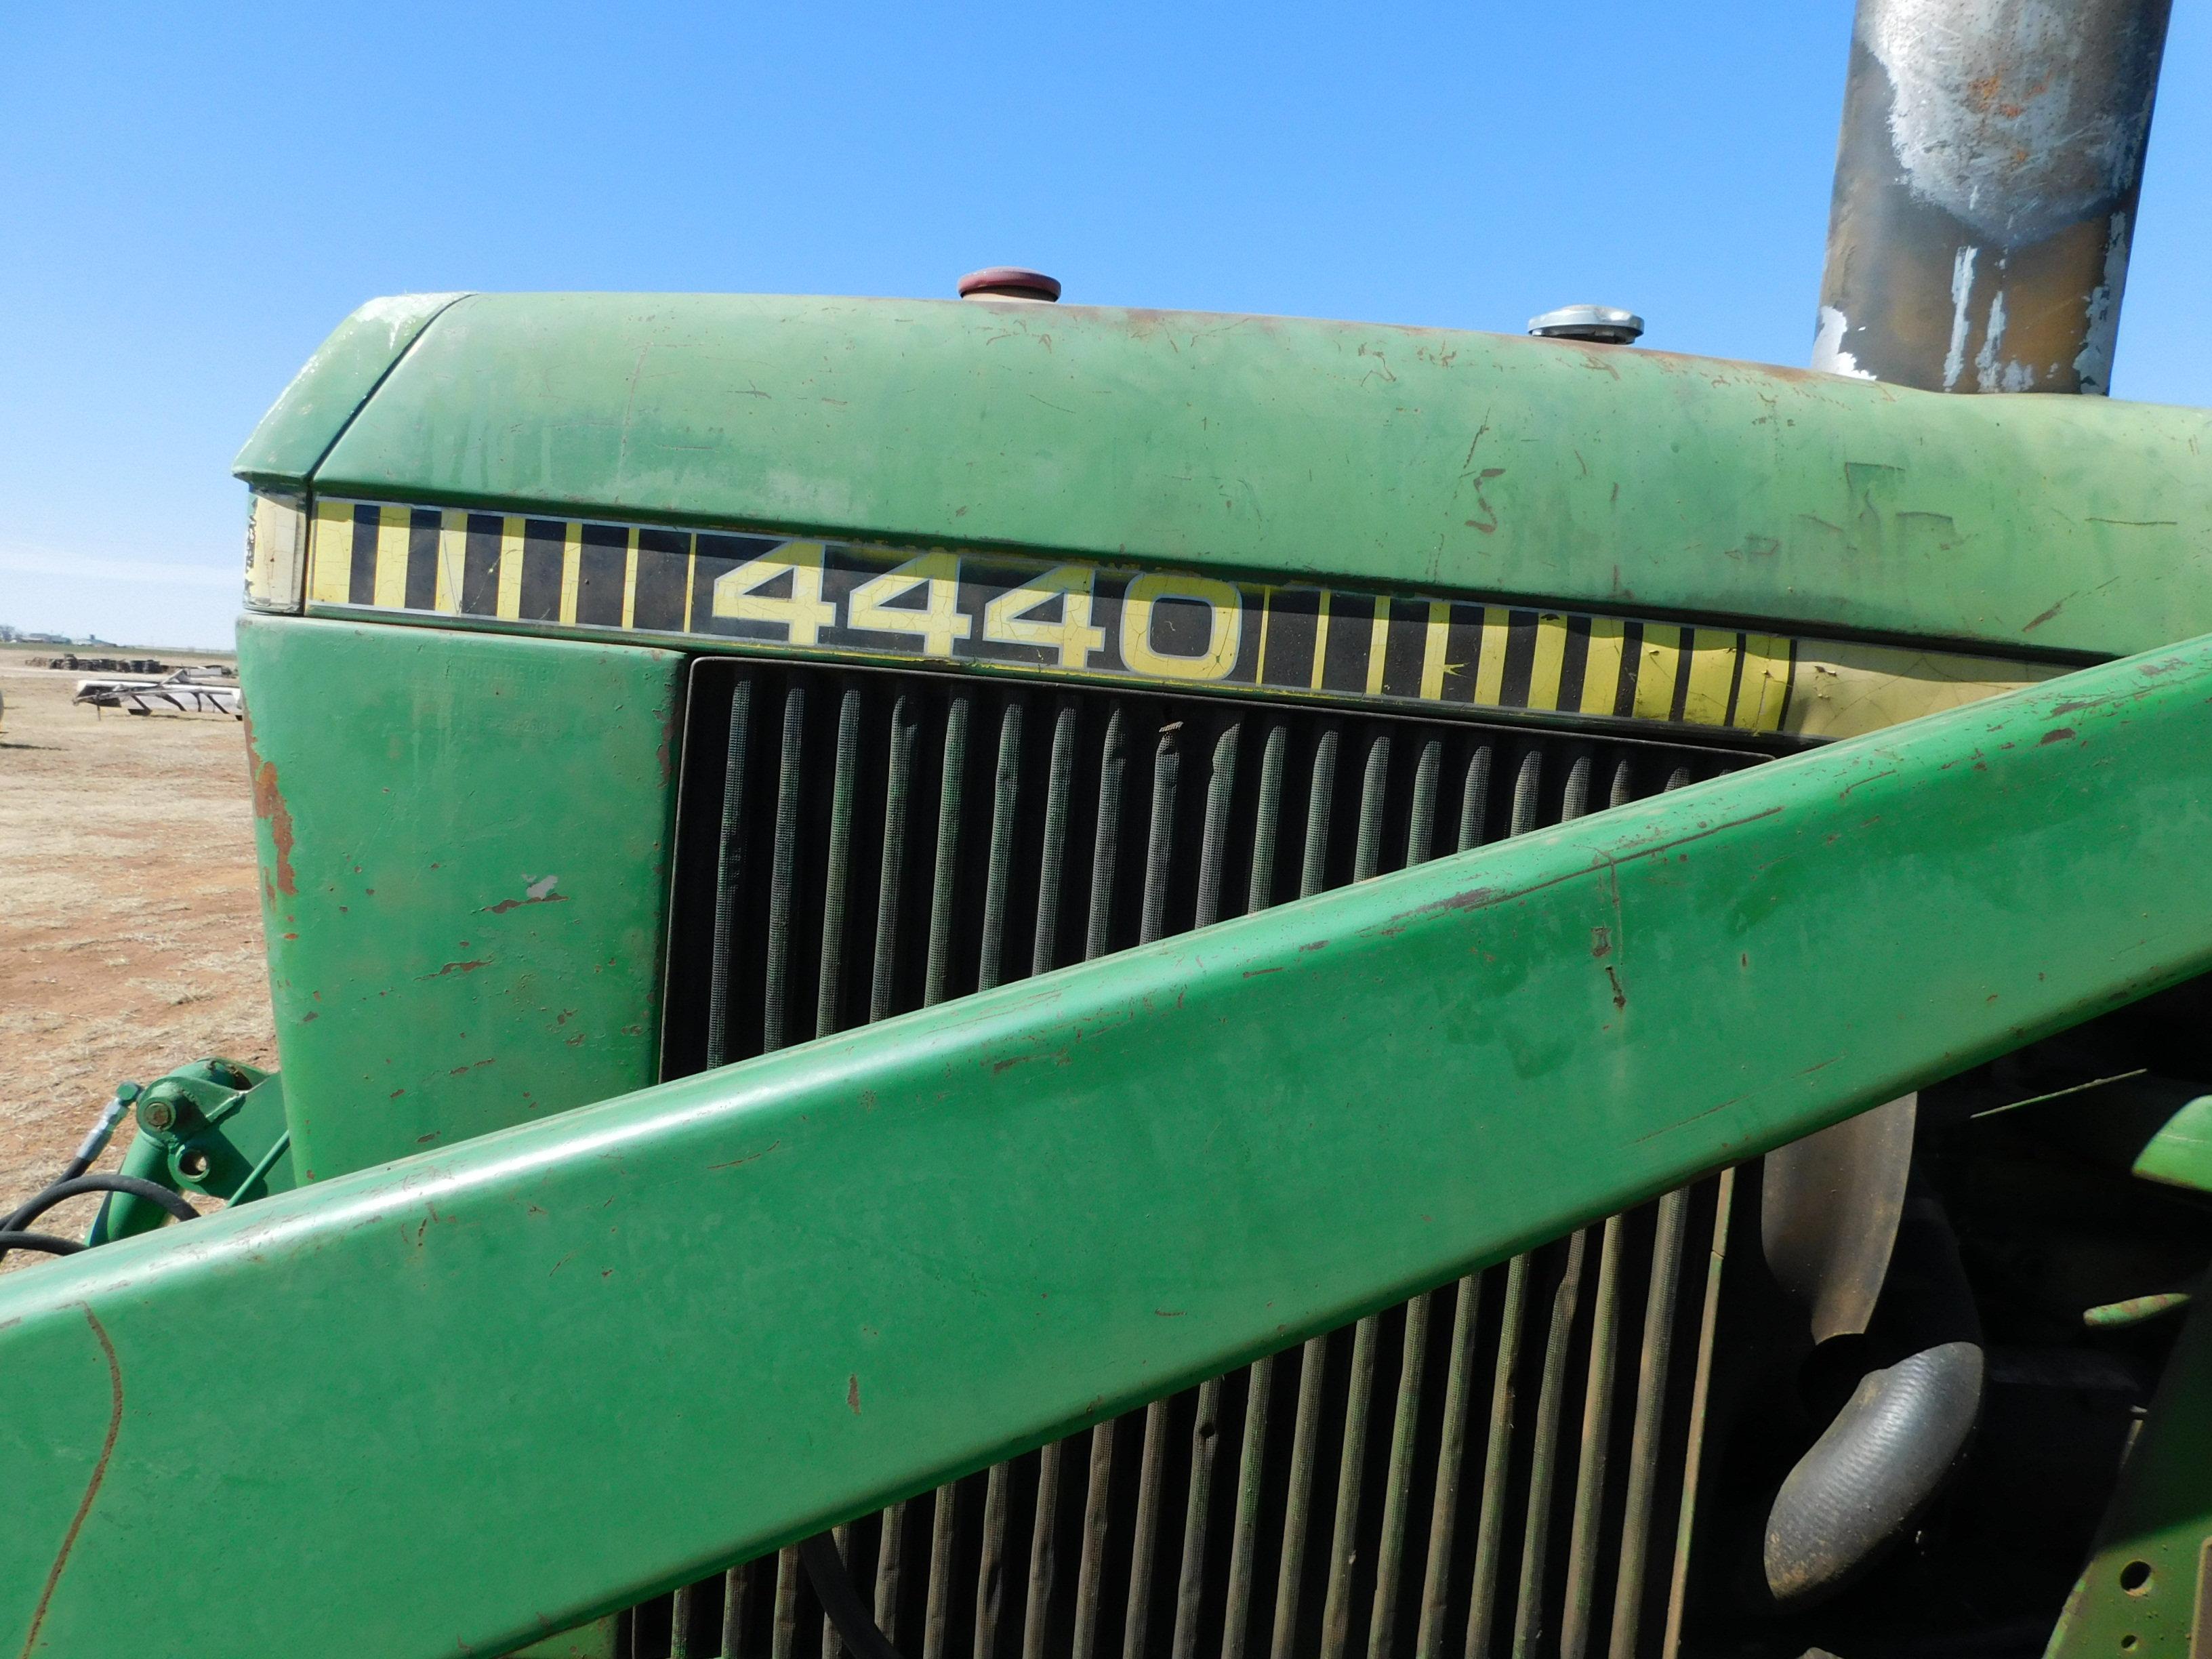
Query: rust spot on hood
pixel 269 804
pixel 539 891
pixel 469 967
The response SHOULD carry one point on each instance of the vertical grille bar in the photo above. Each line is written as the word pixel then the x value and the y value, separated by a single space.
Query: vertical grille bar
pixel 899 791
pixel 1090 1564
pixel 1397 1486
pixel 943 881
pixel 736 1610
pixel 783 1641
pixel 835 821
pixel 1105 856
pixel 1159 848
pixel 782 880
pixel 1685 1528
pixel 1352 1459
pixel 1297 1512
pixel 1043 1560
pixel 679 1635
pixel 1405 1423
pixel 729 873
pixel 1290 1581
pixel 1050 866
pixel 1259 1378
pixel 1043 1542
pixel 944 1528
pixel 1190 1581
pixel 1268 815
pixel 1351 1469
pixel 1250 1470
pixel 838 877
pixel 951 791
pixel 1490 1537
pixel 891 1569
pixel 1644 1437
pixel 1551 1393
pixel 1005 802
pixel 1443 1513
pixel 729 883
pixel 1213 847
pixel 772 1037
pixel 991 1573
pixel 1590 1471
pixel 1151 1464
pixel 832 1643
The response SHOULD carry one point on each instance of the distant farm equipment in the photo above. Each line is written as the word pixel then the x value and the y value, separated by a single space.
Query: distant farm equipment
pixel 70 661
pixel 183 691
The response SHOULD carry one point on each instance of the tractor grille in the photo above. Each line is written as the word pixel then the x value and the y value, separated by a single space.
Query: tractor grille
pixel 1501 1465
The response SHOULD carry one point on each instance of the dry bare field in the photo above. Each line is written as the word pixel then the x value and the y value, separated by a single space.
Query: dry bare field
pixel 130 929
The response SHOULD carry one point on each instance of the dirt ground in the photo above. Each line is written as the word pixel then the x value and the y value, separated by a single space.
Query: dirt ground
pixel 130 929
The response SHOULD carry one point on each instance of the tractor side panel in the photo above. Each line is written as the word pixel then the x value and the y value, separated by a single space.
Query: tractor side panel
pixel 464 843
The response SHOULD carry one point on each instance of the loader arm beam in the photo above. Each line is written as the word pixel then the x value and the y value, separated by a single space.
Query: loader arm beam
pixel 455 1402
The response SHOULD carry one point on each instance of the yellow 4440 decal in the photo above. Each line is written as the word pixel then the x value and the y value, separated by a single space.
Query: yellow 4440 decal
pixel 1060 617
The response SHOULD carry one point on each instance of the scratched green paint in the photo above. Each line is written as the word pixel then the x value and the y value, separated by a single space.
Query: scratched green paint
pixel 730 1309
pixel 1560 473
pixel 465 924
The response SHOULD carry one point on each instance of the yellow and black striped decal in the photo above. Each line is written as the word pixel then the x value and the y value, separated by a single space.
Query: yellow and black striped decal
pixel 842 599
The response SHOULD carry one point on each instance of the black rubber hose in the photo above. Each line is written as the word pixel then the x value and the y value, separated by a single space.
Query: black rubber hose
pixel 12 1240
pixel 841 1598
pixel 61 1191
pixel 1897 1440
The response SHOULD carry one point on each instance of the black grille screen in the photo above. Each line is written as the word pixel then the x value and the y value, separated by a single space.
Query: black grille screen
pixel 1494 1468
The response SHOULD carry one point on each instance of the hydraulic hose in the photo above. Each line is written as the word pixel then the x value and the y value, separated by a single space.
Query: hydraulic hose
pixel 61 1191
pixel 840 1598
pixel 103 1129
pixel 10 1239
pixel 1903 1430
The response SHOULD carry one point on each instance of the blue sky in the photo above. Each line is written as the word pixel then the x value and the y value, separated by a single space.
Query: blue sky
pixel 189 202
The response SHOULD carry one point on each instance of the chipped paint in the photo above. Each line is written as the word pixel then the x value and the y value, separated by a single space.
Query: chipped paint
pixel 2101 321
pixel 1991 158
pixel 539 891
pixel 1962 289
pixel 1828 354
pixel 269 805
pixel 2016 116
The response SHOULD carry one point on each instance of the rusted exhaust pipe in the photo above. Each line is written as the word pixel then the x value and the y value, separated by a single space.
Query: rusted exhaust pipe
pixel 1986 182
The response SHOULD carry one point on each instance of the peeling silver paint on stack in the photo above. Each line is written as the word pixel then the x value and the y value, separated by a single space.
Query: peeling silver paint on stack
pixel 1986 182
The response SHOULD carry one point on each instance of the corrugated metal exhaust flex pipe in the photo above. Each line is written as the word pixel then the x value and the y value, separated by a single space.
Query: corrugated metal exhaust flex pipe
pixel 1897 1440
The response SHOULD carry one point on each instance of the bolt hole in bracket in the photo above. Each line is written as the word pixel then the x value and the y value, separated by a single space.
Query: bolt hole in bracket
pixel 214 1128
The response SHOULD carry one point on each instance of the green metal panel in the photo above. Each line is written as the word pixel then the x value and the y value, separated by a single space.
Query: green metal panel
pixel 595 1641
pixel 464 876
pixel 2180 1154
pixel 730 1309
pixel 298 428
pixel 2147 1593
pixel 1570 474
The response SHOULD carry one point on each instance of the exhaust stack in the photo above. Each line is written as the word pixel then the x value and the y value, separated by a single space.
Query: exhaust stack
pixel 1986 181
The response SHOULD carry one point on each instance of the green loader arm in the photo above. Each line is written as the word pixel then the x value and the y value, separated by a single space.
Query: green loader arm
pixel 461 1400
